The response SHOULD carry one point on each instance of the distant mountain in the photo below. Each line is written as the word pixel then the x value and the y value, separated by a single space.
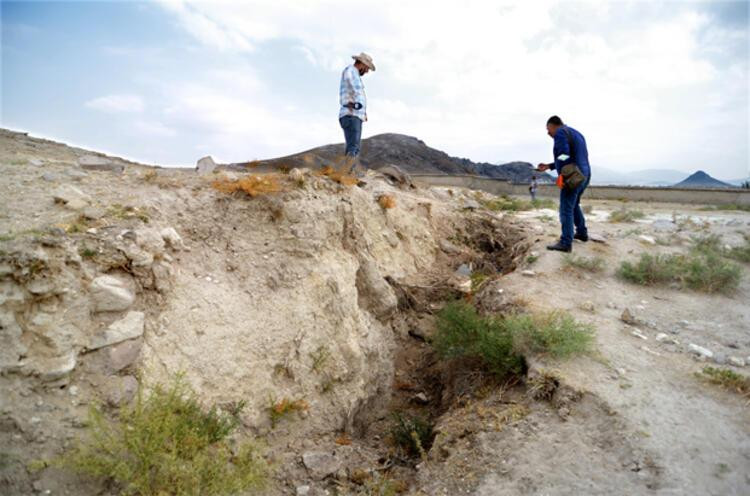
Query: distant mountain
pixel 646 177
pixel 410 154
pixel 702 180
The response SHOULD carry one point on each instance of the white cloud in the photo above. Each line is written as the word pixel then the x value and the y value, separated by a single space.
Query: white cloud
pixel 154 128
pixel 479 78
pixel 117 104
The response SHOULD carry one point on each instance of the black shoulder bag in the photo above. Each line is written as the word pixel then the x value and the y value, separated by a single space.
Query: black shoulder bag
pixel 572 175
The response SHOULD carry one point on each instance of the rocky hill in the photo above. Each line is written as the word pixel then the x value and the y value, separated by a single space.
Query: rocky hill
pixel 410 154
pixel 702 180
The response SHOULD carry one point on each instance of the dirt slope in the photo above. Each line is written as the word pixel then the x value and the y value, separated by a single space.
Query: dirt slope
pixel 116 275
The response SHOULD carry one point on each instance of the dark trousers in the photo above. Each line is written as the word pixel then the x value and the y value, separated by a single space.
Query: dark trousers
pixel 352 127
pixel 571 213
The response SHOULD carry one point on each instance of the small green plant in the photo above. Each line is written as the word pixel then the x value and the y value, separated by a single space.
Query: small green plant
pixel 381 485
pixel 546 218
pixel 727 379
pixel 414 435
pixel 740 253
pixel 728 206
pixel 633 232
pixel 86 252
pixel 36 465
pixel 590 264
pixel 625 215
pixel 320 357
pixel 166 443
pixel 709 243
pixel 477 279
pixel 278 410
pixel 505 203
pixel 531 259
pixel 543 203
pixel 5 459
pixel 128 212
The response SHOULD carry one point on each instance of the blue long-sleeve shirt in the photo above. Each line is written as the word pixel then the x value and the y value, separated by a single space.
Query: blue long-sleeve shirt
pixel 562 151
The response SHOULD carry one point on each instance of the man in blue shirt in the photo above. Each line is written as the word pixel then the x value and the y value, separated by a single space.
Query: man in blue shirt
pixel 353 109
pixel 569 148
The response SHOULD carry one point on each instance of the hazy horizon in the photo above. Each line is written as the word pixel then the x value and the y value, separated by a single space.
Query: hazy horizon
pixel 652 85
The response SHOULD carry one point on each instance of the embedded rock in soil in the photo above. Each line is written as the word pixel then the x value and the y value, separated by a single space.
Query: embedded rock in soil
pixel 110 294
pixel 321 464
pixel 129 327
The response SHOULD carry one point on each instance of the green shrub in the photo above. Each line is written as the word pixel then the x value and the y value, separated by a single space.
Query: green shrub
pixel 555 333
pixel 625 215
pixel 591 264
pixel 710 243
pixel 651 269
pixel 740 253
pixel 462 332
pixel 414 435
pixel 501 342
pixel 168 444
pixel 700 270
pixel 710 273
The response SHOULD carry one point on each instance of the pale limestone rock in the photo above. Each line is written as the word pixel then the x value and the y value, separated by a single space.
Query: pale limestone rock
pixel 54 368
pixel 321 464
pixel 375 293
pixel 150 240
pixel 122 355
pixel 11 347
pixel 129 327
pixel 206 165
pixel 172 238
pixel 67 193
pixel 109 294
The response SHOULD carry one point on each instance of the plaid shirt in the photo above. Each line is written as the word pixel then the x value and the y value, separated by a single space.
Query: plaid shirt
pixel 352 91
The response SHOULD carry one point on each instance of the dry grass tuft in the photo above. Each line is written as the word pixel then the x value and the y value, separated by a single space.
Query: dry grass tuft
pixel 281 409
pixel 727 379
pixel 543 386
pixel 250 184
pixel 338 175
pixel 386 201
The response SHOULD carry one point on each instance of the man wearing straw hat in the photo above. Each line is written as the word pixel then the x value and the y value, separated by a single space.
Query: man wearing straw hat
pixel 354 104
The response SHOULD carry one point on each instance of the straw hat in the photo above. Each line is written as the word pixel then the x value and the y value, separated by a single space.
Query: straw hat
pixel 365 59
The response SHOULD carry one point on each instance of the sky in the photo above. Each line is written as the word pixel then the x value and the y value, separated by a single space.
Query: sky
pixel 651 85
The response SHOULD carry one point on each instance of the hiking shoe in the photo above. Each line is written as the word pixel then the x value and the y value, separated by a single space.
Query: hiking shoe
pixel 559 247
pixel 581 237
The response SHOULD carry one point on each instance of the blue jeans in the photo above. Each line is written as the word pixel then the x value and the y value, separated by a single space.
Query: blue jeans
pixel 571 213
pixel 352 127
